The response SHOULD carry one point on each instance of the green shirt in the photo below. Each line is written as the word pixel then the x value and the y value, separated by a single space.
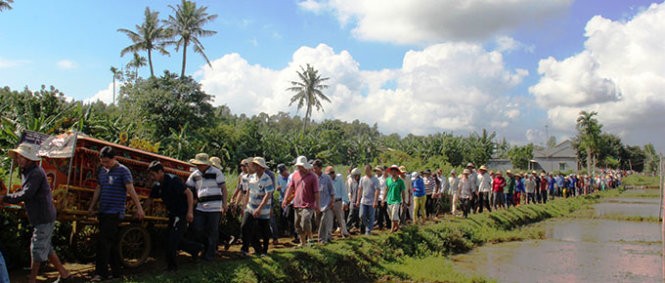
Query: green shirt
pixel 510 186
pixel 394 190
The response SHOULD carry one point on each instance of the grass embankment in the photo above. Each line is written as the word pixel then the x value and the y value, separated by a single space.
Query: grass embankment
pixel 415 253
pixel 641 180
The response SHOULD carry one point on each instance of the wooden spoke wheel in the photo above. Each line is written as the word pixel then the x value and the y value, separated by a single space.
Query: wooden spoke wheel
pixel 85 243
pixel 134 245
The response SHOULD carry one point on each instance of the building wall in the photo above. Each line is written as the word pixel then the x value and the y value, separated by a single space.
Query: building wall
pixel 556 164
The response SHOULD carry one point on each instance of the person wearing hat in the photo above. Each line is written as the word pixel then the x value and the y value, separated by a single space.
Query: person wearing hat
pixel 465 192
pixel 395 194
pixel 341 200
pixel 430 187
pixel 35 193
pixel 473 178
pixel 368 198
pixel 115 182
pixel 239 195
pixel 419 198
pixel 209 186
pixel 543 187
pixel 353 219
pixel 453 182
pixel 484 189
pixel 256 217
pixel 306 199
pixel 405 216
pixel 179 203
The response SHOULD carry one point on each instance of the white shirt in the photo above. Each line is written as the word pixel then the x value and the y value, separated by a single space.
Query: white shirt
pixel 453 184
pixel 382 188
pixel 207 185
pixel 484 183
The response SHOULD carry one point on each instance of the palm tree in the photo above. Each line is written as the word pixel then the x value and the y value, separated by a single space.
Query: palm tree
pixel 308 91
pixel 150 35
pixel 116 75
pixel 137 62
pixel 588 135
pixel 5 4
pixel 187 26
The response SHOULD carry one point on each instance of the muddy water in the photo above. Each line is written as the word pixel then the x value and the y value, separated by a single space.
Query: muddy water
pixel 579 250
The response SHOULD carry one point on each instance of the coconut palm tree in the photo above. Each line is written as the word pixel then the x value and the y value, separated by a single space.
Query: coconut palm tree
pixel 186 25
pixel 116 75
pixel 137 62
pixel 5 4
pixel 150 35
pixel 308 91
pixel 588 135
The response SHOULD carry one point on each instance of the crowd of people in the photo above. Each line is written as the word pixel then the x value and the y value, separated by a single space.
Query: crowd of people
pixel 311 203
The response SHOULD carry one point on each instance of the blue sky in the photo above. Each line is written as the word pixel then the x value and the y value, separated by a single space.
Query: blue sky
pixel 373 50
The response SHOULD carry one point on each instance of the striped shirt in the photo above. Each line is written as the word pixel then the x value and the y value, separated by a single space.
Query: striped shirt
pixel 113 194
pixel 208 188
pixel 258 188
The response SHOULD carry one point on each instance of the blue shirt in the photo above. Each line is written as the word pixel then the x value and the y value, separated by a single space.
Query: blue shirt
pixel 551 182
pixel 340 190
pixel 282 183
pixel 418 187
pixel 326 191
pixel 113 193
pixel 519 187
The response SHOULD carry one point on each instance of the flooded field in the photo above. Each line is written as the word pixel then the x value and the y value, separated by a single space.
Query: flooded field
pixel 579 250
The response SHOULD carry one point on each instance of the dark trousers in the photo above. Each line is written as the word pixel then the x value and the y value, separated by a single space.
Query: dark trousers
pixel 543 195
pixel 253 231
pixel 206 225
pixel 176 240
pixel 382 217
pixel 289 215
pixel 509 200
pixel 530 197
pixel 354 218
pixel 429 205
pixel 483 201
pixel 465 204
pixel 107 245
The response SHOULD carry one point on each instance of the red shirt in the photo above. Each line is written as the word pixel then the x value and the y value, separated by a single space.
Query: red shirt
pixel 498 183
pixel 543 184
pixel 305 187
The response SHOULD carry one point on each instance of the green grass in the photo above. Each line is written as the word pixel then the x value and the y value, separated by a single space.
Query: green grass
pixel 403 256
pixel 640 180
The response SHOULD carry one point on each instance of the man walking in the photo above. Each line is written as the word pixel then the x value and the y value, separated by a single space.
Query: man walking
pixel 353 219
pixel 341 200
pixel 179 202
pixel 368 197
pixel 306 200
pixel 395 193
pixel 209 185
pixel 115 182
pixel 35 193
pixel 256 218
pixel 484 189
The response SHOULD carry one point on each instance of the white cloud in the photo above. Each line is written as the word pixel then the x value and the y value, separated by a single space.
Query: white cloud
pixel 444 87
pixel 620 74
pixel 8 63
pixel 66 64
pixel 104 95
pixel 429 21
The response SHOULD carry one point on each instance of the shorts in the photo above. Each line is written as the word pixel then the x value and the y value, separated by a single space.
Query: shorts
pixel 40 244
pixel 393 210
pixel 303 221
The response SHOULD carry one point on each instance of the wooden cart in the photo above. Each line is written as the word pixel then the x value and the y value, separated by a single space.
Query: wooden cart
pixel 71 162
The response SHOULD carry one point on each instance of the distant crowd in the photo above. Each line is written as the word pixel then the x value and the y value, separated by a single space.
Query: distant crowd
pixel 313 202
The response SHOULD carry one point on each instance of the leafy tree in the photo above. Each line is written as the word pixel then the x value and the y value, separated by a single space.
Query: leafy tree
pixel 652 159
pixel 116 76
pixel 149 36
pixel 520 156
pixel 588 136
pixel 5 4
pixel 308 91
pixel 137 62
pixel 187 26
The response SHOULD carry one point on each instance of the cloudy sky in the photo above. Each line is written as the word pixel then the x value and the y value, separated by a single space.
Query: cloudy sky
pixel 522 68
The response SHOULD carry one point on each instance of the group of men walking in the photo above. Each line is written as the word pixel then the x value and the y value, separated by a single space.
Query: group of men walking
pixel 312 199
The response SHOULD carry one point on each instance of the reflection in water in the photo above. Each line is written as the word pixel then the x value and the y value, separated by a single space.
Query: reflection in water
pixel 576 250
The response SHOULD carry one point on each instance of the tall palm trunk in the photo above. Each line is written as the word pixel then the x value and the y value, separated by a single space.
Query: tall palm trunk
pixel 152 73
pixel 184 59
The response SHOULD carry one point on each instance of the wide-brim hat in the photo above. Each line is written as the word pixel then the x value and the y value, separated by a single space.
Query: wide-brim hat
pixel 27 150
pixel 508 172
pixel 302 161
pixel 453 171
pixel 378 168
pixel 483 167
pixel 395 167
pixel 200 159
pixel 470 164
pixel 466 171
pixel 355 172
pixel 403 169
pixel 216 162
pixel 260 161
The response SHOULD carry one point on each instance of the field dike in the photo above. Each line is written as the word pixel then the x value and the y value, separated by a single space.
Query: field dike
pixel 413 254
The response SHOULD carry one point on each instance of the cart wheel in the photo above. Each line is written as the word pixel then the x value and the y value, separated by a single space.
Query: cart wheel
pixel 134 245
pixel 85 243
